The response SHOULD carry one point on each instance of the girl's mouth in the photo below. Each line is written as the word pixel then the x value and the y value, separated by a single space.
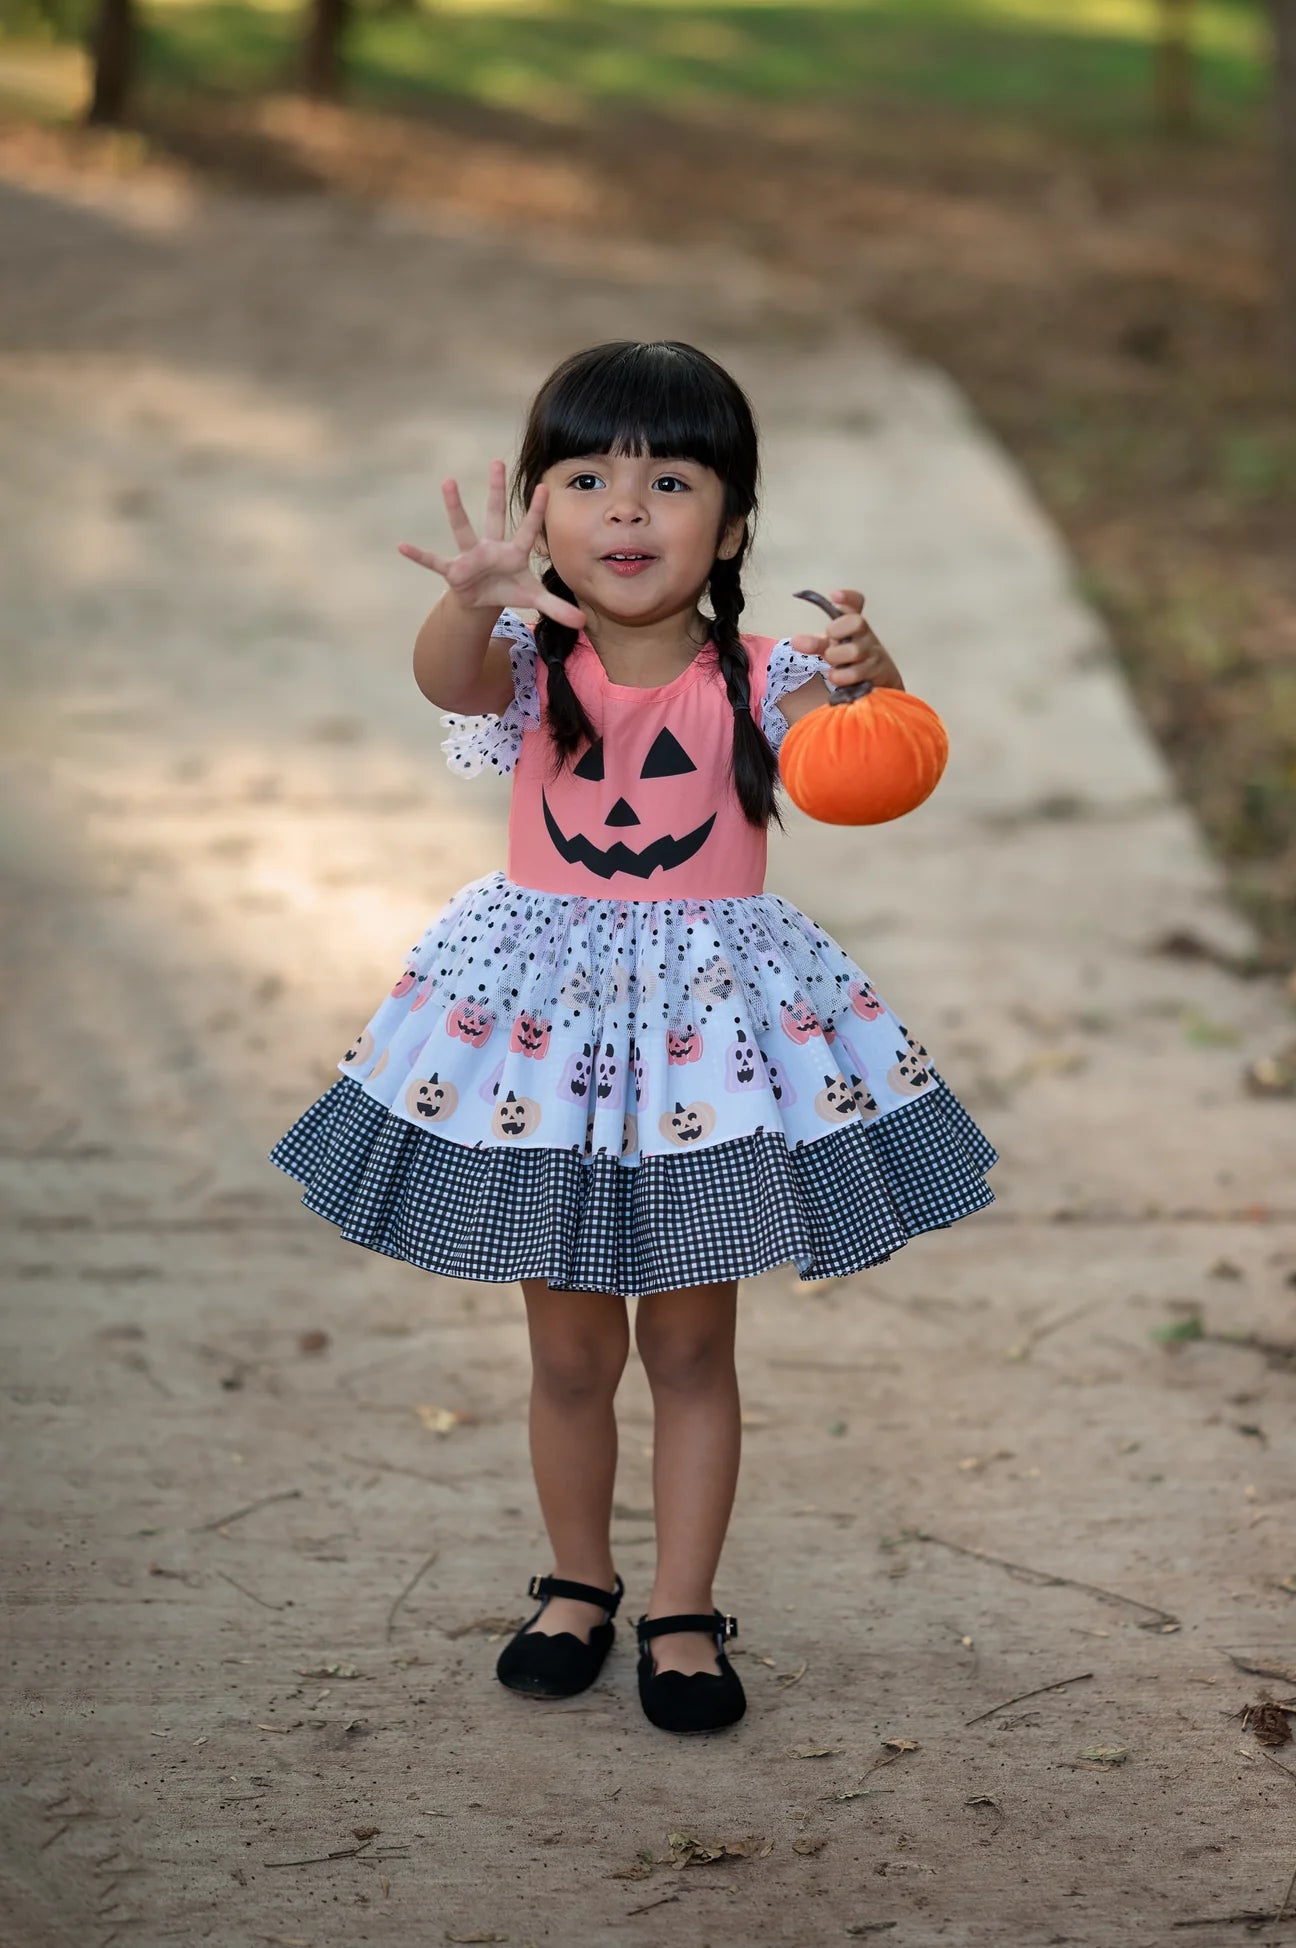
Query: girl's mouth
pixel 628 563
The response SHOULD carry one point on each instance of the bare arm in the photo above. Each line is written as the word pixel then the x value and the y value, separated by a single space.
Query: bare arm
pixel 459 664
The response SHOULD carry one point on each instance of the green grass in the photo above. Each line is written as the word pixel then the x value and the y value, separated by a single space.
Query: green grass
pixel 1076 64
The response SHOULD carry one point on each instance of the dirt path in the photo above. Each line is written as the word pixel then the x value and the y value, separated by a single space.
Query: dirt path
pixel 225 817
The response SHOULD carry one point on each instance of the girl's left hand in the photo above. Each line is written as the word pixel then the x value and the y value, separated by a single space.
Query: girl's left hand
pixel 849 644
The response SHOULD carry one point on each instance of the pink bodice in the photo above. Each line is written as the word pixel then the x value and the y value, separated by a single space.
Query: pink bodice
pixel 649 811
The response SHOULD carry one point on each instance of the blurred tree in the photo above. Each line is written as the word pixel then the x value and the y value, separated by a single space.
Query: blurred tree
pixel 1284 35
pixel 322 63
pixel 1173 90
pixel 112 52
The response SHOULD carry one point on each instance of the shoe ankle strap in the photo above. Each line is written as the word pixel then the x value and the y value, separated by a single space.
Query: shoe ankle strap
pixel 608 1600
pixel 716 1625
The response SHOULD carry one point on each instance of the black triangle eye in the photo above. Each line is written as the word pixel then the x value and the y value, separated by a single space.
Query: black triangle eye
pixel 666 758
pixel 591 765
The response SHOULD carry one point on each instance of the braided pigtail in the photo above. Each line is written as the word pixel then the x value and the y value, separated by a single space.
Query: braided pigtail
pixel 569 727
pixel 755 767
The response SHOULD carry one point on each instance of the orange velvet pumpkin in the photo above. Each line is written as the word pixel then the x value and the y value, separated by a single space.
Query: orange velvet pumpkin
pixel 866 756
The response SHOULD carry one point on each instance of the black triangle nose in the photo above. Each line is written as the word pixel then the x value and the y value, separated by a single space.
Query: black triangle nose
pixel 621 814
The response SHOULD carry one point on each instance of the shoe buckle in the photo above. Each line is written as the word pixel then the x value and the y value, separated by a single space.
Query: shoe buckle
pixel 730 1627
pixel 533 1587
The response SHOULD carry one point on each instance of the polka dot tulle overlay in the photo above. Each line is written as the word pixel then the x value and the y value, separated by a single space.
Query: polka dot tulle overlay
pixel 631 1028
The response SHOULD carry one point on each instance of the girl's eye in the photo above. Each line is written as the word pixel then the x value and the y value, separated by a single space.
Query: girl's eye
pixel 683 484
pixel 577 478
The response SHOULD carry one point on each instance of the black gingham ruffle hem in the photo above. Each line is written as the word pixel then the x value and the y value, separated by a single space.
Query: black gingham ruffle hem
pixel 833 1206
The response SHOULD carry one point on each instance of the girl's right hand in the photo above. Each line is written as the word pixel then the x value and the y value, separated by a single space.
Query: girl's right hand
pixel 494 573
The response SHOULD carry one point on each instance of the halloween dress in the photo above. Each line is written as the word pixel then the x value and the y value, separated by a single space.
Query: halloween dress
pixel 619 1064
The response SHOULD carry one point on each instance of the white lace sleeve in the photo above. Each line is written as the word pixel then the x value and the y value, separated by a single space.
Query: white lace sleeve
pixel 788 669
pixel 487 740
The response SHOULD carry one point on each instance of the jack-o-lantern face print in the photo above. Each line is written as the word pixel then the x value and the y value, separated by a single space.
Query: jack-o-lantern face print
pixel 837 1100
pixel 530 1036
pixel 360 1050
pixel 687 1125
pixel 514 1117
pixel 908 1076
pixel 668 794
pixel 429 1100
pixel 741 1064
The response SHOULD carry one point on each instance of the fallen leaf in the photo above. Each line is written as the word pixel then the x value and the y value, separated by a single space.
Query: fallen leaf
pixel 328 1670
pixel 817 1752
pixel 443 1420
pixel 365 1832
pixel 902 1744
pixel 687 1850
pixel 975 1462
pixel 1104 1754
pixel 1268 1722
pixel 1272 1075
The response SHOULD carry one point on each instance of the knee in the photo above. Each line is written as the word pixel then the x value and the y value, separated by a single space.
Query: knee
pixel 688 1361
pixel 578 1368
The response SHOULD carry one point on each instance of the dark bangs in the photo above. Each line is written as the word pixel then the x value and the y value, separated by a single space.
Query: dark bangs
pixel 665 399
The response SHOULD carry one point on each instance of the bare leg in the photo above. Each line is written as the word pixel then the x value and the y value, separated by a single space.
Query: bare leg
pixel 686 1342
pixel 579 1345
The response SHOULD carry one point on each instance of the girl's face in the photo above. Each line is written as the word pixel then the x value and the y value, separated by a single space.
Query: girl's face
pixel 666 514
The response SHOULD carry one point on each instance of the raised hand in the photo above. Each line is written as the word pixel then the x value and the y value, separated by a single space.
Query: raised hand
pixel 494 573
pixel 849 644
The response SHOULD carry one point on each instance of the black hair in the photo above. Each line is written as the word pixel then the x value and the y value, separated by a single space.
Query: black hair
pixel 671 401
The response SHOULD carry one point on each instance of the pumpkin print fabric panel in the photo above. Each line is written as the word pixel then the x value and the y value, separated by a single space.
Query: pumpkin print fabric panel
pixel 621 1064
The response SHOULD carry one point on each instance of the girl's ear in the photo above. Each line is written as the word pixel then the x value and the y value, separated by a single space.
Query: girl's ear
pixel 732 539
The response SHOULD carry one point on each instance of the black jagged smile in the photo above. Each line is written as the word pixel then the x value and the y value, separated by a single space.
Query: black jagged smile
pixel 665 852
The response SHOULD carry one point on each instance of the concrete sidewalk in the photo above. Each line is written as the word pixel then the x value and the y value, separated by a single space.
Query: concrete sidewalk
pixel 254 1598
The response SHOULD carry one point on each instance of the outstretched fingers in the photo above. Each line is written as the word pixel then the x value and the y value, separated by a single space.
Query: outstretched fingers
pixel 423 556
pixel 460 526
pixel 564 612
pixel 494 526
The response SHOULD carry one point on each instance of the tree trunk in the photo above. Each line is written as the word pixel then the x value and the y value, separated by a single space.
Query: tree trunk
pixel 326 32
pixel 1173 91
pixel 1284 33
pixel 112 51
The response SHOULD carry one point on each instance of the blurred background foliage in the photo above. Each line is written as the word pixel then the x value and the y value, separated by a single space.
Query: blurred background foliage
pixel 1083 62
pixel 1085 210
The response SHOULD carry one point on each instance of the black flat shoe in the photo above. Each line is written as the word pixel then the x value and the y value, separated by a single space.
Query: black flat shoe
pixel 701 1701
pixel 561 1664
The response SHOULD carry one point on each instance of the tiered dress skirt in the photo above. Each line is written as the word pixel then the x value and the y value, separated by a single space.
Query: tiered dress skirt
pixel 632 1097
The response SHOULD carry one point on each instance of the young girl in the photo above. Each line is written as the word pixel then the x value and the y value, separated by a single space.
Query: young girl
pixel 617 1068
